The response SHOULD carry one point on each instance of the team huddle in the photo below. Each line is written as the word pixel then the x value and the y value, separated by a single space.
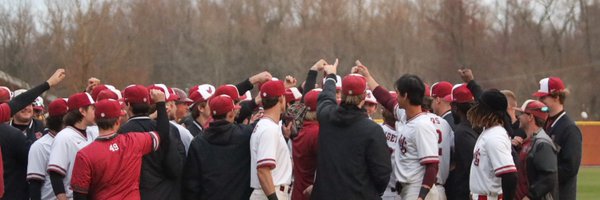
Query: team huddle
pixel 313 140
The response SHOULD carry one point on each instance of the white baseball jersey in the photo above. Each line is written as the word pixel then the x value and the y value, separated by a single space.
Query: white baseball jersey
pixel 445 143
pixel 37 164
pixel 185 135
pixel 64 149
pixel 417 145
pixel 269 149
pixel 491 158
pixel 392 141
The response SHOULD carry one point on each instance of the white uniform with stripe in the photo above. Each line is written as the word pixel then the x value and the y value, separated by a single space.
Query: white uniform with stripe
pixel 445 143
pixel 491 158
pixel 38 163
pixel 417 146
pixel 269 149
pixel 64 149
pixel 391 136
pixel 185 135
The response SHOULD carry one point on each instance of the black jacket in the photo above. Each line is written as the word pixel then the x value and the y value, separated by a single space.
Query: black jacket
pixel 218 161
pixel 35 127
pixel 161 170
pixel 353 156
pixel 193 126
pixel 450 119
pixel 15 150
pixel 567 137
pixel 457 185
pixel 542 168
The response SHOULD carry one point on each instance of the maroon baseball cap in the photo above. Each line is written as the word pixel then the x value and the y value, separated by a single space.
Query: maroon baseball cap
pixel 108 109
pixel 548 86
pixel 58 107
pixel 460 94
pixel 97 90
pixel 354 84
pixel 169 93
pixel 441 89
pixel 292 94
pixel 109 94
pixel 310 100
pixel 136 94
pixel 229 90
pixel 5 94
pixel 222 104
pixel 79 100
pixel 536 108
pixel 202 93
pixel 272 89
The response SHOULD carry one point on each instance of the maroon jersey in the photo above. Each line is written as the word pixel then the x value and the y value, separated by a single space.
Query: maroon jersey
pixel 523 185
pixel 304 148
pixel 109 168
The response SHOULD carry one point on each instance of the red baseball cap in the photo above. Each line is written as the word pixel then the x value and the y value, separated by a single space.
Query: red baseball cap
pixel 108 108
pixel 79 100
pixel 136 94
pixel 536 108
pixel 58 107
pixel 441 89
pixel 548 86
pixel 5 94
pixel 202 93
pixel 169 93
pixel 460 94
pixel 109 94
pixel 292 94
pixel 310 100
pixel 272 89
pixel 222 104
pixel 427 90
pixel 354 84
pixel 370 98
pixel 229 90
pixel 97 90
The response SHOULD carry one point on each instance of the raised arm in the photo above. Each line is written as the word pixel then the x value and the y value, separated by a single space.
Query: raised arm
pixel 381 94
pixel 327 100
pixel 311 78
pixel 21 101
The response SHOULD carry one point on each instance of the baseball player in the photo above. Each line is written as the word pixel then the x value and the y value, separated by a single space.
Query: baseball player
pixel 493 172
pixel 305 146
pixel 25 121
pixel 110 167
pixel 171 97
pixel 445 145
pixel 440 92
pixel 417 157
pixel 389 128
pixel 370 103
pixel 270 159
pixel 200 114
pixel 77 134
pixel 37 174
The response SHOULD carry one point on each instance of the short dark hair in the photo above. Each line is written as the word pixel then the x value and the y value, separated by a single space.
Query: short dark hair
pixel 73 116
pixel 140 108
pixel 218 117
pixel 561 95
pixel 106 123
pixel 426 104
pixel 413 87
pixel 55 123
pixel 194 110
pixel 270 102
pixel 463 108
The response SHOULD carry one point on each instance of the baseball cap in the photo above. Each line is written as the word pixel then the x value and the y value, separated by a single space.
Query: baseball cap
pixel 79 100
pixel 202 93
pixel 109 94
pixel 229 90
pixel 222 104
pixel 536 108
pixel 169 93
pixel 338 82
pixel 136 94
pixel 548 86
pixel 354 84
pixel 183 97
pixel 460 94
pixel 58 107
pixel 108 108
pixel 292 94
pixel 97 90
pixel 5 94
pixel 310 100
pixel 370 98
pixel 441 89
pixel 38 104
pixel 272 89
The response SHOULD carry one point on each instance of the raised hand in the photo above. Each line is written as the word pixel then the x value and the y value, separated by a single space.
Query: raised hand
pixel 319 65
pixel 290 81
pixel 58 76
pixel 157 95
pixel 331 69
pixel 466 75
pixel 261 77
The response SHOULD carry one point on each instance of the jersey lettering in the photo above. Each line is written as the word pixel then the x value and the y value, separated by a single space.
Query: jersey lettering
pixel 403 144
pixel 476 159
pixel 113 147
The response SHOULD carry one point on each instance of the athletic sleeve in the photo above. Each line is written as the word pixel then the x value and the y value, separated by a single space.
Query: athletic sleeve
pixel 146 142
pixel 36 166
pixel 326 102
pixel 82 174
pixel 499 152
pixel 266 150
pixel 384 97
pixel 426 139
pixel 59 156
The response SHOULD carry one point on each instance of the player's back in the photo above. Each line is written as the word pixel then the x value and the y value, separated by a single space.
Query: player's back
pixel 445 143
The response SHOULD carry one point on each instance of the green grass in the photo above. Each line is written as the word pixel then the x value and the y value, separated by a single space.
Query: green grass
pixel 588 186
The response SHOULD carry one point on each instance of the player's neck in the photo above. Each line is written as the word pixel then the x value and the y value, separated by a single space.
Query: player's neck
pixel 21 122
pixel 273 114
pixel 443 111
pixel 554 110
pixel 106 132
pixel 201 119
pixel 531 129
pixel 412 111
pixel 80 125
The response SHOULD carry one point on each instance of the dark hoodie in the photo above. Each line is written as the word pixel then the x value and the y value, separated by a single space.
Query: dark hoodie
pixel 217 163
pixel 353 156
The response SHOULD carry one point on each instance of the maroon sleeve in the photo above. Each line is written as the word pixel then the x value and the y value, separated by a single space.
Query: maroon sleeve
pixel 384 97
pixel 146 142
pixel 82 174
pixel 1 174
pixel 4 112
pixel 431 171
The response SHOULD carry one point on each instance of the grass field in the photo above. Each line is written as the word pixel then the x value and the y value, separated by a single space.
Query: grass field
pixel 589 183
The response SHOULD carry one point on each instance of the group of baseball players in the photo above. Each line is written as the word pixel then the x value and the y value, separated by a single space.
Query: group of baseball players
pixel 314 140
